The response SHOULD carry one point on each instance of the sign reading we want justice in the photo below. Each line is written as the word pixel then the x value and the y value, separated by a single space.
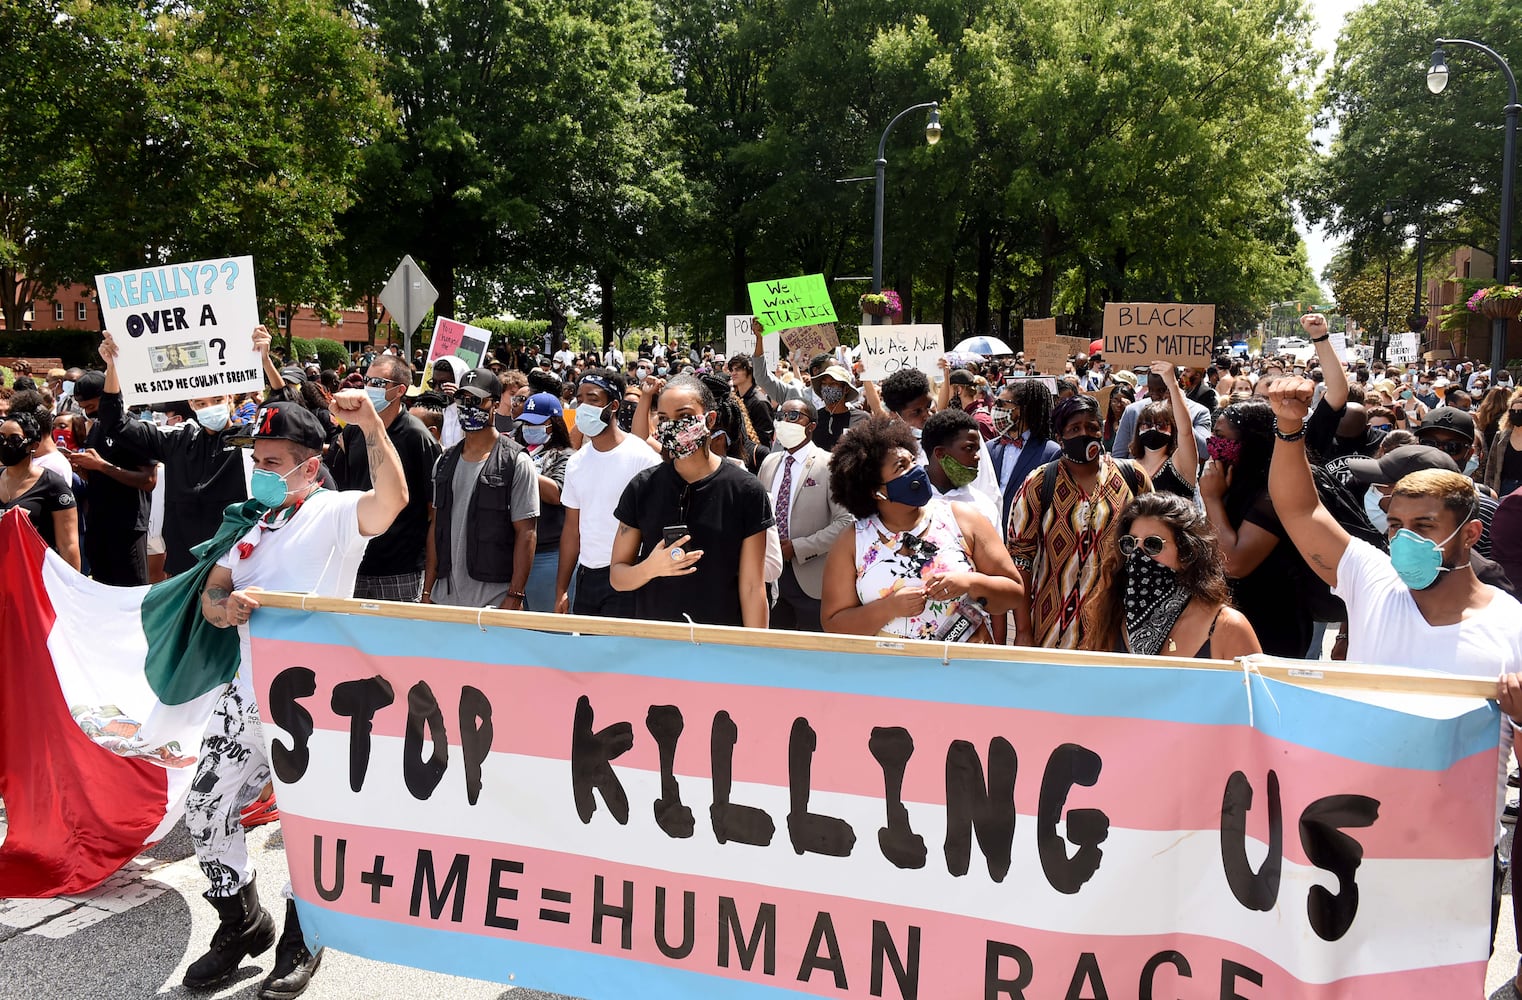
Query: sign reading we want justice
pixel 608 815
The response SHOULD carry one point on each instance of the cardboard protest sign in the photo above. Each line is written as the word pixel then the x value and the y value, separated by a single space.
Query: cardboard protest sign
pixel 785 303
pixel 184 330
pixel 887 349
pixel 1402 348
pixel 808 341
pixel 466 342
pixel 1102 397
pixel 589 815
pixel 1050 380
pixel 1039 329
pixel 1137 333
pixel 738 339
pixel 1051 356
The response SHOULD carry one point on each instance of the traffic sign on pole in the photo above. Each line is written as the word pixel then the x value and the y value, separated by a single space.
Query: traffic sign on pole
pixel 408 296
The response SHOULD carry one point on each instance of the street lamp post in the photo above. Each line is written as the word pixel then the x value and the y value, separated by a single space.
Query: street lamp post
pixel 1384 326
pixel 932 136
pixel 1437 79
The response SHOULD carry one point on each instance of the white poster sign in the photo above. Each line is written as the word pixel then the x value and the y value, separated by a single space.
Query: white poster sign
pixel 738 339
pixel 183 330
pixel 887 349
pixel 1402 349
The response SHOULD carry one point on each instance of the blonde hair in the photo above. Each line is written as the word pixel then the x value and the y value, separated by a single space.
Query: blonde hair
pixel 1454 489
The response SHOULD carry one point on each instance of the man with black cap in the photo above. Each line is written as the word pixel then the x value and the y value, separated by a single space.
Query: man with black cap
pixel 310 540
pixel 121 480
pixel 485 508
pixel 203 471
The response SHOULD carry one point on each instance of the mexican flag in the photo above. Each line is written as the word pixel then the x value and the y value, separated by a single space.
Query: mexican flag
pixel 104 693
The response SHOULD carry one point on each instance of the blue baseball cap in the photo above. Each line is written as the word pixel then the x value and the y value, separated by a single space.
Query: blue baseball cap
pixel 540 407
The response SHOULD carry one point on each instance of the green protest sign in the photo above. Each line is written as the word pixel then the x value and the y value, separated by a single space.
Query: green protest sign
pixel 785 303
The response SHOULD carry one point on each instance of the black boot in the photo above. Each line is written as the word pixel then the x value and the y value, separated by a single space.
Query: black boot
pixel 294 965
pixel 247 929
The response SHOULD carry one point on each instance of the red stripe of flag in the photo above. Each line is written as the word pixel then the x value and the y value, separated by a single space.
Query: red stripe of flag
pixel 76 812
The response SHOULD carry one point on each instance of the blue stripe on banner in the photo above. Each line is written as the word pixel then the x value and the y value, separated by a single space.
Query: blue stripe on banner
pixel 1318 720
pixel 555 970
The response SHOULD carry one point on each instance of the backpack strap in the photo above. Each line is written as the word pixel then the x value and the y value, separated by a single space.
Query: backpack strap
pixel 1048 484
pixel 1131 474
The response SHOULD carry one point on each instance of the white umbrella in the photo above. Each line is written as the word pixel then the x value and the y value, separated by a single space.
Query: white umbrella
pixel 986 346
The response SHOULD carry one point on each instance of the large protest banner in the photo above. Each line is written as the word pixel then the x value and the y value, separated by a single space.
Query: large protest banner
pixel 1138 333
pixel 466 342
pixel 739 339
pixel 697 812
pixel 184 330
pixel 783 303
pixel 887 349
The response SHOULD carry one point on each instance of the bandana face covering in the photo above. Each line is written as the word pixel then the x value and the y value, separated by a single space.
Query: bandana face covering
pixel 1153 602
pixel 959 474
pixel 1003 419
pixel 685 435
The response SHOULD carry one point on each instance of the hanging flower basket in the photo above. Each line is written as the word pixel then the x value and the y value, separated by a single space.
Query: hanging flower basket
pixel 1497 301
pixel 884 304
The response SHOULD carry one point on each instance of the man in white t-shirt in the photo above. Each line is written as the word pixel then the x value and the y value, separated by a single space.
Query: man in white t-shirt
pixel 1421 605
pixel 595 478
pixel 311 540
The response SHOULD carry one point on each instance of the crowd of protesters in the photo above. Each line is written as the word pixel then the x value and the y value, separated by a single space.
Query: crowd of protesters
pixel 1248 505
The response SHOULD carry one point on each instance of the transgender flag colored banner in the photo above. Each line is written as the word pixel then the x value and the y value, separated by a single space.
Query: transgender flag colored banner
pixel 612 816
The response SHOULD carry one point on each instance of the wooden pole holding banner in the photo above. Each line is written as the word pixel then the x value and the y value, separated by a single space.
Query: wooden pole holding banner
pixel 1305 673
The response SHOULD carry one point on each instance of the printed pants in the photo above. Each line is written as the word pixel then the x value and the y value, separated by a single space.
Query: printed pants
pixel 232 772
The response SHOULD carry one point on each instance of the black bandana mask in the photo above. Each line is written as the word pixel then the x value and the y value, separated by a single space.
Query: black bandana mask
pixel 1153 601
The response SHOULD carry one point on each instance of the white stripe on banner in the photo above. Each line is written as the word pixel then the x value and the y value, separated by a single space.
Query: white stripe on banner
pixel 1411 913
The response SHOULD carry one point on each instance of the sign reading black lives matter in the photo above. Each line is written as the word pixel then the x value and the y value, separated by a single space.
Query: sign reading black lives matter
pixel 1138 333
pixel 183 330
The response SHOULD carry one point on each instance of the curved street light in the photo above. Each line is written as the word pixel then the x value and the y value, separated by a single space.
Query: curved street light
pixel 932 136
pixel 1437 79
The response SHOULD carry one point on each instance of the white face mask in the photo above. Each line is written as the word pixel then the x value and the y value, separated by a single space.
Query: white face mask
pixel 213 417
pixel 789 434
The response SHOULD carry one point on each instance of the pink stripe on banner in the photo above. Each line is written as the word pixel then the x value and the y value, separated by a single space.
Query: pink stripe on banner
pixel 1145 761
pixel 953 949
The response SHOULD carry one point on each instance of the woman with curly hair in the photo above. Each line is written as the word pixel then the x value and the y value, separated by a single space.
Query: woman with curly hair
pixel 912 557
pixel 1270 580
pixel 1167 592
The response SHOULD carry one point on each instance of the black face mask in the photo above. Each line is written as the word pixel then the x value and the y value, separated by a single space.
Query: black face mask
pixel 626 414
pixel 1154 438
pixel 14 454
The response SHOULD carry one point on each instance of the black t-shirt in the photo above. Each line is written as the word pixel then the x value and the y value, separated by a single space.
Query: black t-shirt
pixel 48 495
pixel 115 506
pixel 203 473
pixel 402 547
pixel 1321 435
pixel 1275 597
pixel 720 511
pixel 831 426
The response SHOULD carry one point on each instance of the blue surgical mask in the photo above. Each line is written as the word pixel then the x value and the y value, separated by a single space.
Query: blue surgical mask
pixel 269 487
pixel 213 417
pixel 1419 560
pixel 377 397
pixel 912 489
pixel 535 435
pixel 590 419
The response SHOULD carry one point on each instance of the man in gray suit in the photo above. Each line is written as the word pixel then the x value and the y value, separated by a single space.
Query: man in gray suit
pixel 797 476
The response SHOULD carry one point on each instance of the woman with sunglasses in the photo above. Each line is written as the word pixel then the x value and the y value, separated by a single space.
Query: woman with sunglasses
pixel 912 557
pixel 43 494
pixel 1168 594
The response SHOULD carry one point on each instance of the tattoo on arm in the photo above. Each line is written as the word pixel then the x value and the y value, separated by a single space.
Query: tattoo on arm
pixel 373 450
pixel 1316 558
pixel 218 596
pixel 623 529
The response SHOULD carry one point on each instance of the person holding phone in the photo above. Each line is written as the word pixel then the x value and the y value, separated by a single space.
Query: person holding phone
pixel 691 537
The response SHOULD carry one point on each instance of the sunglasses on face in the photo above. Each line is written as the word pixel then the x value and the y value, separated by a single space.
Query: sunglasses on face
pixel 1381 427
pixel 1152 545
pixel 792 416
pixel 376 382
pixel 1448 447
